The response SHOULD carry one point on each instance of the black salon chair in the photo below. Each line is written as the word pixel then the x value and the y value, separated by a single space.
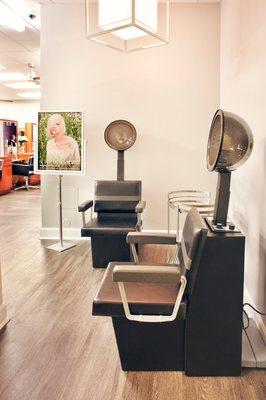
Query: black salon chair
pixel 180 317
pixel 25 170
pixel 119 207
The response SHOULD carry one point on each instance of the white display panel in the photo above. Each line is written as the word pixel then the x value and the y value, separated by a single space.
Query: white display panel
pixel 59 143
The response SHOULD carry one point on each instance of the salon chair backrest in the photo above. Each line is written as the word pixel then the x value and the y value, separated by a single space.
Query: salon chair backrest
pixel 31 163
pixel 116 196
pixel 192 243
pixel 21 169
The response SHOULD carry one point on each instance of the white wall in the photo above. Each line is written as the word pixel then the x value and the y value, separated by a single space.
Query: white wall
pixel 169 93
pixel 21 111
pixel 243 84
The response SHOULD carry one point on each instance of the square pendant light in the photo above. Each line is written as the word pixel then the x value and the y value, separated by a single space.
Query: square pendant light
pixel 128 25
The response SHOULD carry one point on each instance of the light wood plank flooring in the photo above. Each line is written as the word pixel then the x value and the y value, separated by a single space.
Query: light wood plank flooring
pixel 53 349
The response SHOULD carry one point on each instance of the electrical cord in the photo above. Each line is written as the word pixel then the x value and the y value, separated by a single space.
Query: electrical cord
pixel 246 315
pixel 259 312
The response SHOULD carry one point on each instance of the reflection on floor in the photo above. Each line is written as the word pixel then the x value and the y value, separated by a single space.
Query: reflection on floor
pixel 53 349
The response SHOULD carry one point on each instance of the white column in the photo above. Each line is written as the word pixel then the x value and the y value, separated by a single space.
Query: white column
pixel 3 311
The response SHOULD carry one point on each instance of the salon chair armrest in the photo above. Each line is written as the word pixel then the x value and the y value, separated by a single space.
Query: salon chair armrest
pixel 140 207
pixel 146 274
pixel 85 206
pixel 151 238
pixel 149 274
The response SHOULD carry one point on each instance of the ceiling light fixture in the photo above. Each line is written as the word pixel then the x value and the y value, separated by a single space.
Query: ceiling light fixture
pixel 128 25
pixel 30 95
pixel 12 76
pixel 32 75
pixel 23 85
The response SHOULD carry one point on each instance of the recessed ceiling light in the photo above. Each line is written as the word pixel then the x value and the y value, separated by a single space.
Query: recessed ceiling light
pixel 2 67
pixel 22 85
pixel 30 95
pixel 12 76
pixel 10 19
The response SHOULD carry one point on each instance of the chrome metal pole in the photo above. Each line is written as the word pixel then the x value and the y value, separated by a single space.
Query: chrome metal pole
pixel 177 224
pixel 61 245
pixel 60 211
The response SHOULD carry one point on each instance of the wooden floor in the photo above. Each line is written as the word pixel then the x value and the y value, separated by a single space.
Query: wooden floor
pixel 53 349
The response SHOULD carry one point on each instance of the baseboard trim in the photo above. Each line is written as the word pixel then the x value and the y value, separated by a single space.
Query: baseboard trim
pixel 257 318
pixel 68 233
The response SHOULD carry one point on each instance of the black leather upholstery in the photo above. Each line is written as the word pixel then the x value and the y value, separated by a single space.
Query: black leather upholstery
pixel 115 203
pixel 85 206
pixel 31 163
pixel 194 229
pixel 21 169
pixel 109 225
pixel 207 341
pixel 118 188
pixel 117 196
pixel 194 236
pixel 115 208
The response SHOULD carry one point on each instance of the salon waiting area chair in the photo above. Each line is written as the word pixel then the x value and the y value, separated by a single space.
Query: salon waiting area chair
pixel 24 170
pixel 180 317
pixel 118 207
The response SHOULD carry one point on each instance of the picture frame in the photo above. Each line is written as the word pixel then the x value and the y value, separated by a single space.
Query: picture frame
pixel 59 143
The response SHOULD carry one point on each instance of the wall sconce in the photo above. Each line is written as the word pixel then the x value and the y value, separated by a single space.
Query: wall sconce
pixel 128 25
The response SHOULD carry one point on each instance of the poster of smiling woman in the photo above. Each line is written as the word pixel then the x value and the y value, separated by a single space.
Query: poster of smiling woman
pixel 60 142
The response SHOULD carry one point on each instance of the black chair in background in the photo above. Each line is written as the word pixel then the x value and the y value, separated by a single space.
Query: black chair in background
pixel 25 170
pixel 1 168
pixel 119 207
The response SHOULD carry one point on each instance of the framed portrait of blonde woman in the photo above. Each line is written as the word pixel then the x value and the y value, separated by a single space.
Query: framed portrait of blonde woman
pixel 59 143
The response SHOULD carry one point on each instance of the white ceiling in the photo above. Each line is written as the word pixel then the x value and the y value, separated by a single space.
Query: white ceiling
pixel 17 49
